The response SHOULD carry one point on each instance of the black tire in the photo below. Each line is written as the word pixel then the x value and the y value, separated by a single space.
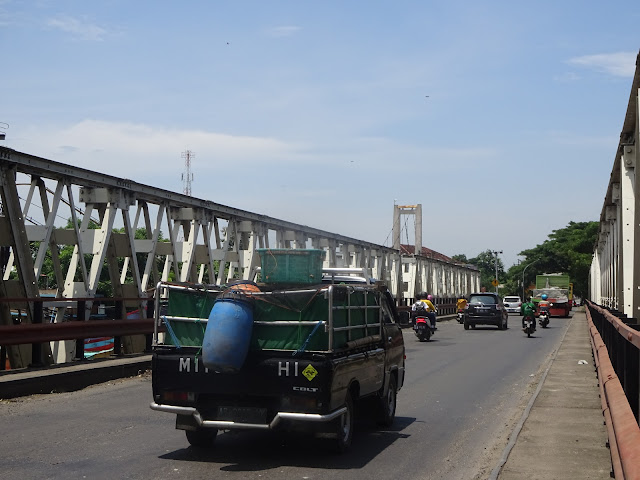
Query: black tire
pixel 528 334
pixel 466 325
pixel 387 412
pixel 344 427
pixel 473 326
pixel 499 325
pixel 201 438
pixel 506 323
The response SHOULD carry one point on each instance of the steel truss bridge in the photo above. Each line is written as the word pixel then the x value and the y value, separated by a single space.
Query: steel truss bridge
pixel 614 292
pixel 615 268
pixel 83 227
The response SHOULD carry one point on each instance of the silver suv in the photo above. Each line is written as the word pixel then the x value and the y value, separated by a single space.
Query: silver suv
pixel 512 304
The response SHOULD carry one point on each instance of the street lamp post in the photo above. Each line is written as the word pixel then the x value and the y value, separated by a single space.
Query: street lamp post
pixel 525 269
pixel 496 254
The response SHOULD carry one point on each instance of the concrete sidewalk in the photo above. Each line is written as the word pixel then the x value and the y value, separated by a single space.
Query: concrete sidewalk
pixel 562 432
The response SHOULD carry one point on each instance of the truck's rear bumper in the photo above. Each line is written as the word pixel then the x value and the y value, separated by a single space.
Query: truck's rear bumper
pixel 227 425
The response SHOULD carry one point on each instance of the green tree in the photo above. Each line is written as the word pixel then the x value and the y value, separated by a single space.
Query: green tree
pixel 568 250
pixel 460 258
pixel 486 263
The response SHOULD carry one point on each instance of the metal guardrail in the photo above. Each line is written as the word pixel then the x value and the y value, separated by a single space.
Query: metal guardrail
pixel 615 341
pixel 79 328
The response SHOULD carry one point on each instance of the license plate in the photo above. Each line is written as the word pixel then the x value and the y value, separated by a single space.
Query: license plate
pixel 242 414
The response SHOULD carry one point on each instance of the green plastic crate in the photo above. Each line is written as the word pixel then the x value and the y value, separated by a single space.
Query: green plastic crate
pixel 291 266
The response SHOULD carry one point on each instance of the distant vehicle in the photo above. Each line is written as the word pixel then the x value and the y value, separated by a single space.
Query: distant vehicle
pixel 512 304
pixel 559 291
pixel 485 309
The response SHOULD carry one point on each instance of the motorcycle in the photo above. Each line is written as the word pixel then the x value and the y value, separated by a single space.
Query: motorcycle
pixel 529 326
pixel 422 328
pixel 460 317
pixel 543 318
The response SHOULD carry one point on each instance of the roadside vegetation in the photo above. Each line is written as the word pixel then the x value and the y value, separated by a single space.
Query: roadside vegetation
pixel 567 250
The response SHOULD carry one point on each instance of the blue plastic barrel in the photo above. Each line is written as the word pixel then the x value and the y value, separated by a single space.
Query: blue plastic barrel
pixel 228 333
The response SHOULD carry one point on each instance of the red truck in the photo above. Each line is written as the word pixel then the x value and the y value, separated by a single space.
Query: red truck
pixel 558 290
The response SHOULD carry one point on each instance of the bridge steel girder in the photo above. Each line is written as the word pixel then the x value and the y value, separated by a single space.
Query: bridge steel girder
pixel 614 276
pixel 205 242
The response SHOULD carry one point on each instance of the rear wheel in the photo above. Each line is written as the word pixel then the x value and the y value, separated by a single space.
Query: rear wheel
pixel 202 437
pixel 388 404
pixel 344 427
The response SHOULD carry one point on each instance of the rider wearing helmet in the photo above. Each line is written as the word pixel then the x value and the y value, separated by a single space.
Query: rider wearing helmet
pixel 543 304
pixel 528 309
pixel 424 305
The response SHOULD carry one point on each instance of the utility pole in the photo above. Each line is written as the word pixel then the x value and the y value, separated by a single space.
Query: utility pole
pixel 496 280
pixel 525 269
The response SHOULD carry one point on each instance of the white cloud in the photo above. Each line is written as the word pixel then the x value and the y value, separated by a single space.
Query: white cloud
pixel 130 147
pixel 284 31
pixel 621 64
pixel 79 28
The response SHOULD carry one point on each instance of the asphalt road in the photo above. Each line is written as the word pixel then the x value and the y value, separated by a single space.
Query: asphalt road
pixel 463 394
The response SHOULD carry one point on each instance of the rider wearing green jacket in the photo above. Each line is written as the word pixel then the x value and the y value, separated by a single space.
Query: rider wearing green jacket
pixel 528 309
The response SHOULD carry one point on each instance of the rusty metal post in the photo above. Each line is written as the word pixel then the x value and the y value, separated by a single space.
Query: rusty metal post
pixel 80 317
pixel 149 337
pixel 631 377
pixel 117 341
pixel 36 348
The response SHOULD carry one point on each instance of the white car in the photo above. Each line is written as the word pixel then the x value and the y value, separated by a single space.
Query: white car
pixel 512 304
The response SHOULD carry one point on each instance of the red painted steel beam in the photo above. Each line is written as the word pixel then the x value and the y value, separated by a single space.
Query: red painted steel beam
pixel 623 431
pixel 48 332
pixel 630 335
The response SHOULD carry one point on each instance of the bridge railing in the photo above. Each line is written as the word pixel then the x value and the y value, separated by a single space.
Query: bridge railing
pixel 77 327
pixel 615 341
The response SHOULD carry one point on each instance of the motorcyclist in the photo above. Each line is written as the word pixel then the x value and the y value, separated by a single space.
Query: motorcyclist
pixel 528 310
pixel 543 303
pixel 461 304
pixel 424 306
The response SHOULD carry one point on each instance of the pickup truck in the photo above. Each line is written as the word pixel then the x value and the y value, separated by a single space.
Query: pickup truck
pixel 316 354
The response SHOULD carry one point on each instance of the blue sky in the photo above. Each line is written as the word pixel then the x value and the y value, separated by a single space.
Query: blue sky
pixel 502 118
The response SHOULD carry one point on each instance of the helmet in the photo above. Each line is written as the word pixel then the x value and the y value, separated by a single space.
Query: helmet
pixel 544 296
pixel 429 297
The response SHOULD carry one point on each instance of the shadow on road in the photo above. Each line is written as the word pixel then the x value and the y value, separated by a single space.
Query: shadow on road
pixel 251 451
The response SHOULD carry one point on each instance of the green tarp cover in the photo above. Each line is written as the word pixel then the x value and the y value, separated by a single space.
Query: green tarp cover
pixel 189 303
pixel 310 305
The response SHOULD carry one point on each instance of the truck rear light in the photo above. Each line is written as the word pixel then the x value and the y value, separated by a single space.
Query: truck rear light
pixel 303 403
pixel 178 397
